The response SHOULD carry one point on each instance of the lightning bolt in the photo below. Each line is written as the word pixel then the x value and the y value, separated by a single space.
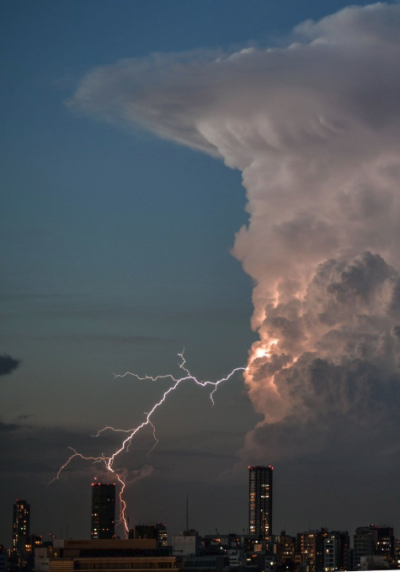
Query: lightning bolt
pixel 126 443
pixel 156 441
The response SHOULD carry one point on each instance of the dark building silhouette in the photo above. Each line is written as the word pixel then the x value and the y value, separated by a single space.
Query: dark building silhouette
pixel 337 552
pixel 285 551
pixel 21 523
pixel 162 534
pixel 320 538
pixel 306 549
pixel 364 544
pixel 108 555
pixel 385 544
pixel 144 531
pixel 260 501
pixel 323 551
pixel 103 511
pixel 156 531
pixel 373 541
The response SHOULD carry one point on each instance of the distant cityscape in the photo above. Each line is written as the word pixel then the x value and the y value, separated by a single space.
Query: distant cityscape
pixel 147 546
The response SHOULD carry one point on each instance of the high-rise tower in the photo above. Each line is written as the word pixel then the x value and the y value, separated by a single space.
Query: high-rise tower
pixel 103 510
pixel 20 524
pixel 260 501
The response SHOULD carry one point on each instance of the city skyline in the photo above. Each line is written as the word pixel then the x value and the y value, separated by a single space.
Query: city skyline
pixel 216 179
pixel 367 538
pixel 148 546
pixel 320 550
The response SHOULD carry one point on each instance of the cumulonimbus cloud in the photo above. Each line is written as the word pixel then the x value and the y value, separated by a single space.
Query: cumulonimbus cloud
pixel 315 129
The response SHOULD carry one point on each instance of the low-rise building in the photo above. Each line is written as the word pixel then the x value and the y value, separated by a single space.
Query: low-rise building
pixel 109 555
pixel 186 544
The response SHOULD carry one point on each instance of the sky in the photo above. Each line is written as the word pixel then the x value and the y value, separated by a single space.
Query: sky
pixel 213 176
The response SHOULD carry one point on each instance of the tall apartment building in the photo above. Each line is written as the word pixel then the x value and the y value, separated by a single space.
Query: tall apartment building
pixel 397 553
pixel 21 522
pixel 103 511
pixel 306 549
pixel 260 501
pixel 373 541
pixel 310 549
pixel 384 542
pixel 364 540
pixel 337 553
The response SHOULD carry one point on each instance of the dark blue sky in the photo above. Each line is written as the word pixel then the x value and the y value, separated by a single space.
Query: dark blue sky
pixel 116 256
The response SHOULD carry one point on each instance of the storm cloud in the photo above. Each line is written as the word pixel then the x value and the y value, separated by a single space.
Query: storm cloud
pixel 314 126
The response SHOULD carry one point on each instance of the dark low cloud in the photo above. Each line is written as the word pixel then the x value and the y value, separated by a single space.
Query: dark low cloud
pixel 35 452
pixel 8 427
pixel 8 364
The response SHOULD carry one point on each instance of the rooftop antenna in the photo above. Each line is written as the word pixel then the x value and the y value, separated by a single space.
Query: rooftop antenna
pixel 187 512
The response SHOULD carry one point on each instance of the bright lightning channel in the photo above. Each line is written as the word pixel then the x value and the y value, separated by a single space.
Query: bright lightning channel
pixel 109 461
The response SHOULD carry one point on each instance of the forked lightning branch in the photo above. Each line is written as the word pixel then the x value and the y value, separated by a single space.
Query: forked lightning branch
pixel 108 461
